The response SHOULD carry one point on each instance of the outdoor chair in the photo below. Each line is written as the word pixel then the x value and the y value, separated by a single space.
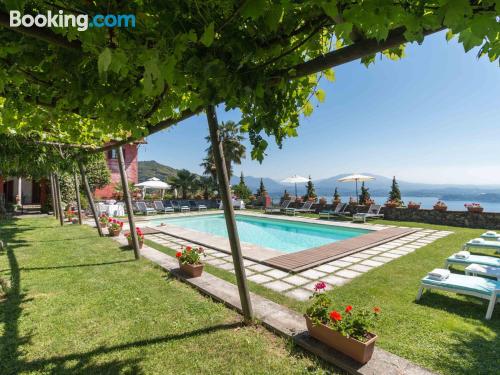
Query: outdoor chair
pixel 465 258
pixel 338 211
pixel 196 207
pixel 144 209
pixel 180 206
pixel 480 270
pixel 469 285
pixel 283 206
pixel 306 207
pixel 491 235
pixel 373 212
pixel 481 243
pixel 161 208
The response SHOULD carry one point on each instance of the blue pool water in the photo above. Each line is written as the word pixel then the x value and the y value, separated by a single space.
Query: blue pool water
pixel 282 235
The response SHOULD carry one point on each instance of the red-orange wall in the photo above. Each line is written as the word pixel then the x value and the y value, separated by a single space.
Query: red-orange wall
pixel 131 166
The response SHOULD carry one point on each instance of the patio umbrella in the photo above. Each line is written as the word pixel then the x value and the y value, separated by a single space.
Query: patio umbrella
pixel 153 183
pixel 356 178
pixel 294 180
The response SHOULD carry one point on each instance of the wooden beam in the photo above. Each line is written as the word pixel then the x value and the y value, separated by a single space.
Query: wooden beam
pixel 128 203
pixel 90 199
pixel 53 196
pixel 225 192
pixel 78 201
pixel 58 199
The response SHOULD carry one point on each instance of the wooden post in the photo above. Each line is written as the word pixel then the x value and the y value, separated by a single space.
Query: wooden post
pixel 55 212
pixel 78 201
pixel 232 230
pixel 128 202
pixel 90 199
pixel 58 199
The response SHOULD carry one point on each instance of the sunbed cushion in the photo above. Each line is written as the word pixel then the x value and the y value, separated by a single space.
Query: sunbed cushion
pixel 466 283
pixel 483 243
pixel 478 259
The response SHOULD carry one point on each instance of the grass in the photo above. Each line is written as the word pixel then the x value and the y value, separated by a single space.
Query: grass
pixel 80 304
pixel 443 332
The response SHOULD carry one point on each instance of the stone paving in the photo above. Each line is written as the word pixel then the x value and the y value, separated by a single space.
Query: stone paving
pixel 301 285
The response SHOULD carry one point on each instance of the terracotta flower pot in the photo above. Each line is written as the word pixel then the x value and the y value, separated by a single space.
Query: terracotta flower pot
pixel 103 225
pixel 114 233
pixel 359 351
pixel 192 270
pixel 141 242
pixel 476 210
pixel 391 205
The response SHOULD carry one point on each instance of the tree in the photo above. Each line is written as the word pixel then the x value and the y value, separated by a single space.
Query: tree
pixel 261 191
pixel 234 150
pixel 185 181
pixel 364 197
pixel 208 186
pixel 310 191
pixel 336 195
pixel 103 84
pixel 98 176
pixel 241 190
pixel 395 194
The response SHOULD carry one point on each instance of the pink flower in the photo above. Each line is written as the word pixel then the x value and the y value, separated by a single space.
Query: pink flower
pixel 319 286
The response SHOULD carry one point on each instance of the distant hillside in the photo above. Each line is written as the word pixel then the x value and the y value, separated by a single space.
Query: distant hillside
pixel 148 169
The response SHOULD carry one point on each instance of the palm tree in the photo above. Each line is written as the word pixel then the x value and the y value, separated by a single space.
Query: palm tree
pixel 234 150
pixel 208 185
pixel 185 181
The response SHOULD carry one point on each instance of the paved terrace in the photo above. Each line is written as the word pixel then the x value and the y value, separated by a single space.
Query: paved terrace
pixel 300 285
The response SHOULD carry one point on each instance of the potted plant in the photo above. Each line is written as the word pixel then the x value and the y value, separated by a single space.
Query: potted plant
pixel 70 215
pixel 322 201
pixel 474 207
pixel 114 227
pixel 440 206
pixel 103 220
pixel 190 261
pixel 413 205
pixel 392 203
pixel 140 238
pixel 347 331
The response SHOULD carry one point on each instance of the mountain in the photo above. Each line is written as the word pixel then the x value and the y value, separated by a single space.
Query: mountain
pixel 325 187
pixel 148 169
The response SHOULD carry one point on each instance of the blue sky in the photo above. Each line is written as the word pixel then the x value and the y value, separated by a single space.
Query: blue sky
pixel 433 116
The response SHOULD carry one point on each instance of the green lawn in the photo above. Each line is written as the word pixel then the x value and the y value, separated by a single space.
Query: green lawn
pixel 443 332
pixel 79 304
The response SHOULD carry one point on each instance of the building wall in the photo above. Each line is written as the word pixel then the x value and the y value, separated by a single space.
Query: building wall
pixel 131 166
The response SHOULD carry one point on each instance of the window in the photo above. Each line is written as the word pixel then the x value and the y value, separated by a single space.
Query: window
pixel 113 154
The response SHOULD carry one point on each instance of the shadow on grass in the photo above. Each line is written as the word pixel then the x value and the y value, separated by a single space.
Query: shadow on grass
pixel 75 265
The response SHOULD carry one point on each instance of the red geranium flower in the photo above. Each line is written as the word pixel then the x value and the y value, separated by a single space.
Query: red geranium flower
pixel 188 248
pixel 110 220
pixel 348 308
pixel 319 286
pixel 376 310
pixel 178 255
pixel 335 316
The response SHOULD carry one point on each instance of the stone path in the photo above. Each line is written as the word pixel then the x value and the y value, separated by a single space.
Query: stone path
pixel 300 285
pixel 285 322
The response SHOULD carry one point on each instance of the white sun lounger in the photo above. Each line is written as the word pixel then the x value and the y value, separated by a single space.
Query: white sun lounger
pixel 480 243
pixel 373 212
pixel 483 260
pixel 480 270
pixel 470 285
pixel 491 235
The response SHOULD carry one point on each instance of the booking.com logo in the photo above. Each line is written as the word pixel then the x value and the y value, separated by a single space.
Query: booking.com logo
pixel 81 21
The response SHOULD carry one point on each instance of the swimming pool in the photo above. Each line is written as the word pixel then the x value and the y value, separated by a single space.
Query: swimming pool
pixel 282 235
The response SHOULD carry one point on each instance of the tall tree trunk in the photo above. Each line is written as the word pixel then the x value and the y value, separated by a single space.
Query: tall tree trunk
pixel 78 201
pixel 90 199
pixel 58 199
pixel 232 229
pixel 128 203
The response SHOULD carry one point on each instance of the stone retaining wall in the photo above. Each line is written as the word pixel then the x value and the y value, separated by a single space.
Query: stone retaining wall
pixel 486 220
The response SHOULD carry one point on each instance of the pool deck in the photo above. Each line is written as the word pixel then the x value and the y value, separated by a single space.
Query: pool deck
pixel 294 262
pixel 305 259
